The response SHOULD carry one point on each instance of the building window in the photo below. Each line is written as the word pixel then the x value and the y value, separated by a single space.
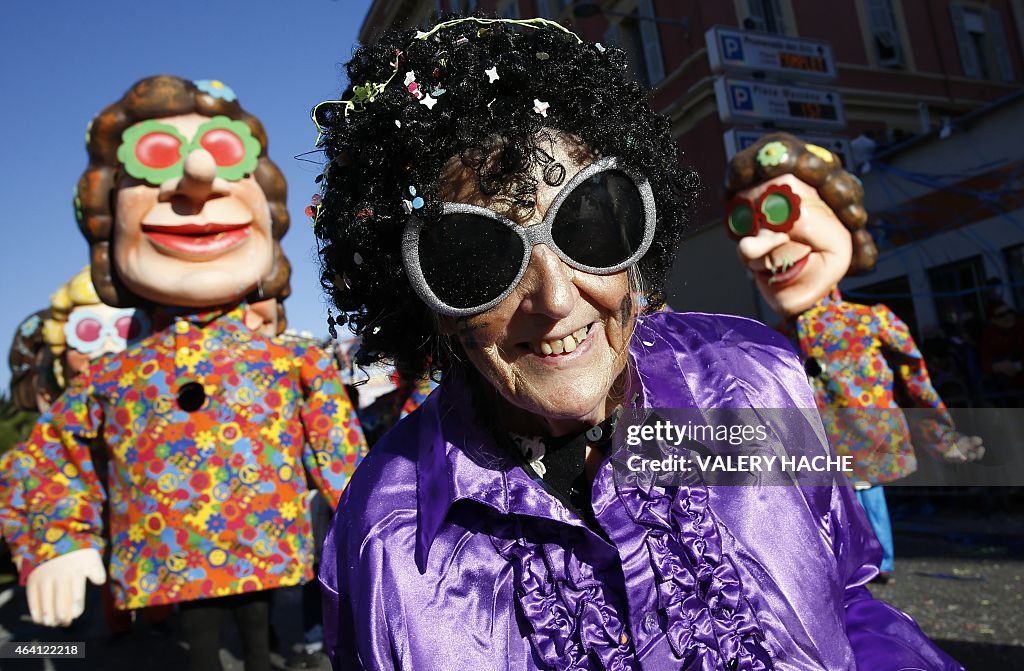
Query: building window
pixel 1015 268
pixel 552 9
pixel 981 42
pixel 958 290
pixel 977 44
pixel 885 35
pixel 463 6
pixel 638 36
pixel 509 9
pixel 765 16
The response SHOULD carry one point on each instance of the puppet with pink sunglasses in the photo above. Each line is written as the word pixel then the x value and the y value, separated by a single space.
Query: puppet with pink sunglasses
pixel 799 222
pixel 210 428
pixel 50 348
pixel 81 328
pixel 74 332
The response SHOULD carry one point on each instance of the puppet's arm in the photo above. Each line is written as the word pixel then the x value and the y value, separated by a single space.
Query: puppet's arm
pixel 63 502
pixel 13 517
pixel 936 431
pixel 334 442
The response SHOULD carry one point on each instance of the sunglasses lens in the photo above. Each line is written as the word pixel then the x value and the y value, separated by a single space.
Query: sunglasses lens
pixel 468 260
pixel 776 209
pixel 225 146
pixel 88 330
pixel 741 220
pixel 601 223
pixel 158 150
pixel 129 327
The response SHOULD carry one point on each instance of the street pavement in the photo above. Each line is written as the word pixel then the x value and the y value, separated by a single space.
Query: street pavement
pixel 960 572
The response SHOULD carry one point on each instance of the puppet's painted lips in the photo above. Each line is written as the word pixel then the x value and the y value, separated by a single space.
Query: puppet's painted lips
pixel 203 240
pixel 779 280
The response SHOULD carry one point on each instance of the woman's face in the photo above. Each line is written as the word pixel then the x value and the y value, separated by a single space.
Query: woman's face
pixel 583 320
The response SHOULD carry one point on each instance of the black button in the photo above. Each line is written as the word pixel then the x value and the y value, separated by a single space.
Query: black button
pixel 812 367
pixel 191 396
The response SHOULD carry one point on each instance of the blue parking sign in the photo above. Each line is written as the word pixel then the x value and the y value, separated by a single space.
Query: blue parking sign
pixel 732 48
pixel 742 98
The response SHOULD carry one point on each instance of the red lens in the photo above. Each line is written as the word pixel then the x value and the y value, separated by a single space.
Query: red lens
pixel 158 150
pixel 226 148
pixel 125 327
pixel 89 330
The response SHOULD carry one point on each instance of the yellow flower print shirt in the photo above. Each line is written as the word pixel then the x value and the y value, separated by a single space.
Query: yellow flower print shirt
pixel 203 503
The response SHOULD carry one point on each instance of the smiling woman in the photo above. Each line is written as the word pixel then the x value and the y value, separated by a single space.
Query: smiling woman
pixel 498 203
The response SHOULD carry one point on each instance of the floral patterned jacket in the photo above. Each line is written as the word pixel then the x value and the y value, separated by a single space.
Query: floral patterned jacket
pixel 13 526
pixel 205 503
pixel 864 365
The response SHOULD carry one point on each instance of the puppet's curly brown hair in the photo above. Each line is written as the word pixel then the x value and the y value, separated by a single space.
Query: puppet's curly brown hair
pixel 154 97
pixel 376 152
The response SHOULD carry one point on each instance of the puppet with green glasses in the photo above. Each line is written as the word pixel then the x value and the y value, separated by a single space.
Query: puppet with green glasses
pixel 799 222
pixel 210 427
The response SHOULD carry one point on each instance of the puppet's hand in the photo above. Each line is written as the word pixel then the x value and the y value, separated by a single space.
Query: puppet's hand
pixel 56 588
pixel 965 449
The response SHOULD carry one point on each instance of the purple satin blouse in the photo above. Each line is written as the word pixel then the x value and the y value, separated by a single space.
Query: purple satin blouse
pixel 445 554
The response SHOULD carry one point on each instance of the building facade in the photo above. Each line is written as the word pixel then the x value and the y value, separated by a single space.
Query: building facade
pixel 905 69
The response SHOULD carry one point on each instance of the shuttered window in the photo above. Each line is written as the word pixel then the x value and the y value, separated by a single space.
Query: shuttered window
pixel 640 40
pixel 766 16
pixel 509 9
pixel 981 41
pixel 885 35
pixel 651 42
pixel 1000 50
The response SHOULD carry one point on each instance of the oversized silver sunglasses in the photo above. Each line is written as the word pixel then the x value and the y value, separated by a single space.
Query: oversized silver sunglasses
pixel 470 260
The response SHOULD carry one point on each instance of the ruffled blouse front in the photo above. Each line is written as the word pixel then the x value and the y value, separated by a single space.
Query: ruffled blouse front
pixel 446 554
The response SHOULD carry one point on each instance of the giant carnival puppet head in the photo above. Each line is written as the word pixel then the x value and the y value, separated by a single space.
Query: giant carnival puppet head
pixel 798 219
pixel 81 328
pixel 180 203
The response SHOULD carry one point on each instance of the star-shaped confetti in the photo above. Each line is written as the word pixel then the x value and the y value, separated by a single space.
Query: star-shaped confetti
pixel 492 73
pixel 429 101
pixel 540 107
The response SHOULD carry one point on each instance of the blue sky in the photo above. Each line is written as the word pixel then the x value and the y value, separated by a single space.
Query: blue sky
pixel 65 60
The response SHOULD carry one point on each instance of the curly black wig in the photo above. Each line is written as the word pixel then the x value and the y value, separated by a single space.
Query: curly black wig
pixel 386 137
